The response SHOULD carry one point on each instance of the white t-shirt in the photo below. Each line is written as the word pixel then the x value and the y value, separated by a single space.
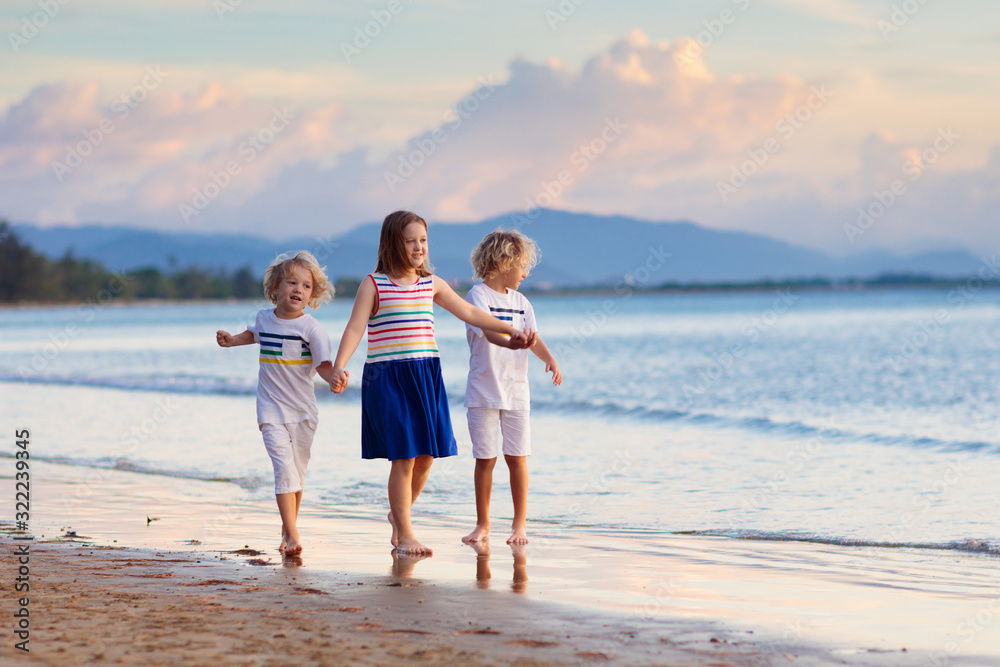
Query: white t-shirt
pixel 290 351
pixel 498 376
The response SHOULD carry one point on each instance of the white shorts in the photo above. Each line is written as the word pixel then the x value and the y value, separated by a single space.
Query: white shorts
pixel 289 446
pixel 485 424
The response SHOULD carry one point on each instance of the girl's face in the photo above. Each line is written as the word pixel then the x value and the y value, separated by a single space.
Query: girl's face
pixel 415 244
pixel 294 292
pixel 512 277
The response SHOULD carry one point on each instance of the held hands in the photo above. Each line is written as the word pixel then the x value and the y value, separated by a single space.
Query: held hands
pixel 338 383
pixel 224 338
pixel 556 374
pixel 522 340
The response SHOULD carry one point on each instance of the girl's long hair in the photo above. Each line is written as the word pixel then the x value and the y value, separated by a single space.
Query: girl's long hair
pixel 392 259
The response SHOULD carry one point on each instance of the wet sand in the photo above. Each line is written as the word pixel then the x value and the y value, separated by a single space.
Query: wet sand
pixel 178 593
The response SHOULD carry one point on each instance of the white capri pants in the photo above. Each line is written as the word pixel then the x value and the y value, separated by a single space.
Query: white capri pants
pixel 485 424
pixel 289 446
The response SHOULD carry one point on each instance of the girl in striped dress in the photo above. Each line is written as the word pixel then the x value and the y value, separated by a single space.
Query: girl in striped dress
pixel 405 415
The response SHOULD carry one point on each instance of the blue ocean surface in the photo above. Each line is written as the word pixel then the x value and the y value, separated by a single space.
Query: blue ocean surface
pixel 847 417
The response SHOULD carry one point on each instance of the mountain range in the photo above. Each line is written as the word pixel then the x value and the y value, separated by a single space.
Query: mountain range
pixel 577 249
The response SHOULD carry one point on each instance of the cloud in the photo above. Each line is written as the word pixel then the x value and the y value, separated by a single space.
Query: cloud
pixel 637 117
pixel 68 154
pixel 640 128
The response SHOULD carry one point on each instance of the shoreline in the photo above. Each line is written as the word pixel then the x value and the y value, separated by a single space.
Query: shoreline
pixel 107 605
pixel 572 596
pixel 839 286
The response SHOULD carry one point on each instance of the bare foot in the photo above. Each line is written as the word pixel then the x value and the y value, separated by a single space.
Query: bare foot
pixel 411 546
pixel 392 522
pixel 518 535
pixel 481 532
pixel 284 541
pixel 292 546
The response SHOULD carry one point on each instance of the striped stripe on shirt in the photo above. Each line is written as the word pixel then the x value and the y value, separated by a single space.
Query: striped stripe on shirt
pixel 403 325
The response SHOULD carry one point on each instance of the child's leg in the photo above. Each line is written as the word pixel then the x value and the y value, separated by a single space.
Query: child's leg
pixel 418 478
pixel 518 466
pixel 484 491
pixel 483 430
pixel 400 500
pixel 282 442
pixel 516 448
pixel 421 470
pixel 288 512
pixel 301 434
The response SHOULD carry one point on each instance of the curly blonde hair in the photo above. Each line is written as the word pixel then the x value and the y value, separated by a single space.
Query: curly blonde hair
pixel 281 268
pixel 500 251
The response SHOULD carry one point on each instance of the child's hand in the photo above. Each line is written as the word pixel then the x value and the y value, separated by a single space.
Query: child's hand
pixel 223 338
pixel 522 340
pixel 556 375
pixel 338 383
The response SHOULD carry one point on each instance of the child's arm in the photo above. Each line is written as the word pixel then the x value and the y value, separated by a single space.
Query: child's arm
pixel 364 304
pixel 325 371
pixel 541 351
pixel 446 297
pixel 225 339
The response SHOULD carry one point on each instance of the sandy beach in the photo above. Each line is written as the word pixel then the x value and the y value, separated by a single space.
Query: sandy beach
pixel 124 569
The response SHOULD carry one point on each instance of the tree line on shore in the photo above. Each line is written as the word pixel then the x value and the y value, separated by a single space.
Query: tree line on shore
pixel 28 276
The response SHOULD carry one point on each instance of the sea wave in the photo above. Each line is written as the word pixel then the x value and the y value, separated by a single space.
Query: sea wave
pixel 227 386
pixel 984 546
pixel 249 482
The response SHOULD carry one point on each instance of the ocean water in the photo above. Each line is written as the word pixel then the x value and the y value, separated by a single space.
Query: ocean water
pixel 866 417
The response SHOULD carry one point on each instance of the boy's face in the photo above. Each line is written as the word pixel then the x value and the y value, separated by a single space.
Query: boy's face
pixel 294 292
pixel 512 278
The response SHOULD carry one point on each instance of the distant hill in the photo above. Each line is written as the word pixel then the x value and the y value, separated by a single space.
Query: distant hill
pixel 577 249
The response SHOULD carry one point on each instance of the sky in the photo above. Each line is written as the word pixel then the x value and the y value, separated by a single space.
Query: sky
pixel 841 125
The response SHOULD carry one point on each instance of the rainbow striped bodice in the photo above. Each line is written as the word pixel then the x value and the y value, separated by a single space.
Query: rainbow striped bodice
pixel 403 324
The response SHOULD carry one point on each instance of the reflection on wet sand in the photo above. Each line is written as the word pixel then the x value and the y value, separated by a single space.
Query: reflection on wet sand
pixel 483 574
pixel 291 560
pixel 403 563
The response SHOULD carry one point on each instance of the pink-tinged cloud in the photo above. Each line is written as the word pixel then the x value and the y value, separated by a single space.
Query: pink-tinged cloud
pixel 642 128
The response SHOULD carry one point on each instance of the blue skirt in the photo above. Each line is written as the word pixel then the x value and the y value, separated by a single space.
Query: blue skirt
pixel 404 411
